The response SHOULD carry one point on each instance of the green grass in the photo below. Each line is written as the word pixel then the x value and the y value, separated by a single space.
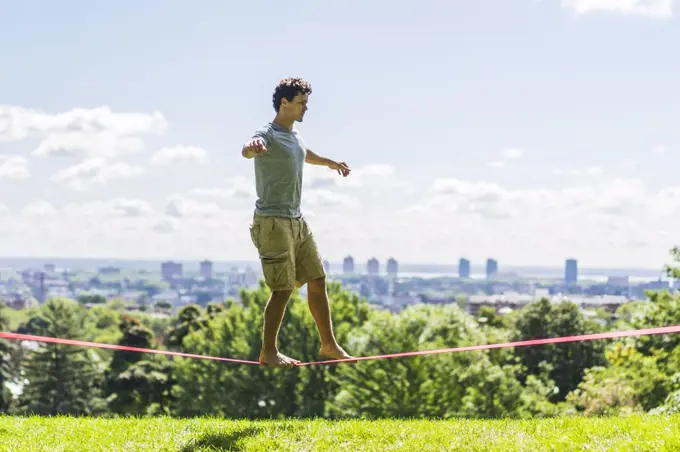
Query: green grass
pixel 638 433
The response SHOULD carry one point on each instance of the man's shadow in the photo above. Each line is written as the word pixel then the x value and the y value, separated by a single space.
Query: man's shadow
pixel 221 441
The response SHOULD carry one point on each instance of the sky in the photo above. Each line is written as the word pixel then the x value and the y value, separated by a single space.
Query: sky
pixel 522 130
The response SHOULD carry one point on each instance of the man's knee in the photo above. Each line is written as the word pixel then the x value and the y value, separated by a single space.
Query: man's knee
pixel 280 295
pixel 278 298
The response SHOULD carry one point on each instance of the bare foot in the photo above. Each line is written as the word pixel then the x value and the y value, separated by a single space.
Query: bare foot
pixel 334 351
pixel 275 359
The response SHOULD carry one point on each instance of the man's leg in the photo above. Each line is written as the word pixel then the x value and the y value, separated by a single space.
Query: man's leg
pixel 273 316
pixel 274 241
pixel 309 270
pixel 317 298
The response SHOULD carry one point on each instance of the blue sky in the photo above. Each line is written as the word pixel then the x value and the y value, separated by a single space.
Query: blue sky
pixel 530 131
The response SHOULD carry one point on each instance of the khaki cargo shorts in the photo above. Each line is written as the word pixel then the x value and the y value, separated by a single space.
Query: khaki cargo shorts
pixel 287 251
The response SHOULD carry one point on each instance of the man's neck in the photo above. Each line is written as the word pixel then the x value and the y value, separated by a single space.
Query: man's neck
pixel 284 122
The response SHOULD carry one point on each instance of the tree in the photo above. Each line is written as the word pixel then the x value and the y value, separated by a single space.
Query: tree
pixel 62 379
pixel 134 384
pixel 663 309
pixel 489 316
pixel 164 305
pixel 189 318
pixel 5 365
pixel 673 270
pixel 92 299
pixel 134 335
pixel 443 385
pixel 568 361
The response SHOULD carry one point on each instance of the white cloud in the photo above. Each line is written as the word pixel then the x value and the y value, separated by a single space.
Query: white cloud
pixel 513 153
pixel 660 9
pixel 118 207
pixel 322 177
pixel 506 155
pixel 179 153
pixel 376 170
pixel 104 144
pixel 166 226
pixel 18 123
pixel 94 132
pixel 39 208
pixel 95 171
pixel 327 198
pixel 601 222
pixel 237 187
pixel 628 163
pixel 588 171
pixel 619 197
pixel 661 149
pixel 14 168
pixel 596 222
pixel 181 206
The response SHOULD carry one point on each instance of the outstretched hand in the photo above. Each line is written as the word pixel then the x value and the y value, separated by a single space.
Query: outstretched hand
pixel 340 167
pixel 255 146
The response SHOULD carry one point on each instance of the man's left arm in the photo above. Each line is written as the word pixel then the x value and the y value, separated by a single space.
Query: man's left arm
pixel 315 159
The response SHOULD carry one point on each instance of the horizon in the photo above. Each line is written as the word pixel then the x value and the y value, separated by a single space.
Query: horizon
pixel 423 267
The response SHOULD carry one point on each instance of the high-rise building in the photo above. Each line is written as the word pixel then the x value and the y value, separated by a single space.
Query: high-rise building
pixel 464 268
pixel 373 267
pixel 327 266
pixel 348 265
pixel 207 269
pixel 571 271
pixel 491 268
pixel 42 292
pixel 171 269
pixel 392 267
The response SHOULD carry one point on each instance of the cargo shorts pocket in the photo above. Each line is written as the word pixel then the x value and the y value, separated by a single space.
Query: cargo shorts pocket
pixel 255 235
pixel 275 266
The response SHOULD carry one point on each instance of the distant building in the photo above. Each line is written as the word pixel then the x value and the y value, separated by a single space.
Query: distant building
pixel 206 269
pixel 373 267
pixel 392 267
pixel 571 271
pixel 327 266
pixel 621 281
pixel 42 291
pixel 491 268
pixel 50 268
pixel 109 270
pixel 348 265
pixel 170 270
pixel 464 268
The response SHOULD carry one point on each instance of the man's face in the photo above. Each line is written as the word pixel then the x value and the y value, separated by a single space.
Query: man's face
pixel 297 108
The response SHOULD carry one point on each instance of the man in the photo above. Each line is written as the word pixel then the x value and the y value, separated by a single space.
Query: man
pixel 284 241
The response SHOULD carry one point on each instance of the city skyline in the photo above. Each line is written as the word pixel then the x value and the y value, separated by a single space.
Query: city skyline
pixel 194 266
pixel 526 135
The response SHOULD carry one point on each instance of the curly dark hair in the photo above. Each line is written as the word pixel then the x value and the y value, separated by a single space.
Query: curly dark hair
pixel 289 88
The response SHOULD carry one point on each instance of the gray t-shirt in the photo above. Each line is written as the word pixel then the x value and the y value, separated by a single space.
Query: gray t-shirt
pixel 278 172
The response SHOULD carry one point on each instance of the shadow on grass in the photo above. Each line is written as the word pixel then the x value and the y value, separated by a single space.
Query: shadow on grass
pixel 221 441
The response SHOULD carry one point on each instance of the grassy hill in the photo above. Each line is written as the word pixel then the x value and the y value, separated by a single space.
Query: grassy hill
pixel 639 433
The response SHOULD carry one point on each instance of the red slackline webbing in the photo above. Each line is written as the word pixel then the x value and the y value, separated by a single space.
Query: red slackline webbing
pixel 555 340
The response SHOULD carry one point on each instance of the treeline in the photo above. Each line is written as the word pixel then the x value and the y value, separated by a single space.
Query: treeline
pixel 592 378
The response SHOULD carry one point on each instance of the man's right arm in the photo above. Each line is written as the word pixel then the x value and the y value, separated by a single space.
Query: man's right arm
pixel 256 146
